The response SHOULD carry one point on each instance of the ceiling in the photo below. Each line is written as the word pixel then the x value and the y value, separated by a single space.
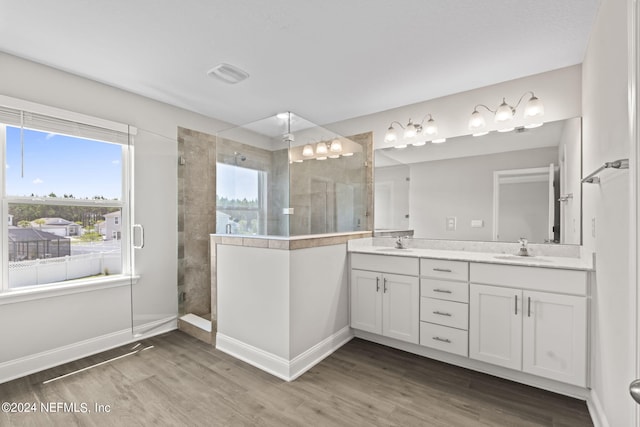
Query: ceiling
pixel 327 60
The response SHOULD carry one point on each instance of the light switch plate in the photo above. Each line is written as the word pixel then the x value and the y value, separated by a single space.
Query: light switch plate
pixel 477 223
pixel 451 223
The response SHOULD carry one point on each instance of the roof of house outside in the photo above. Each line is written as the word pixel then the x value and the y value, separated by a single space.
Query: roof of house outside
pixel 28 234
pixel 53 221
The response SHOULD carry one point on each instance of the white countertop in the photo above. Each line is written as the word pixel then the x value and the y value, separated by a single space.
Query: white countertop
pixel 569 263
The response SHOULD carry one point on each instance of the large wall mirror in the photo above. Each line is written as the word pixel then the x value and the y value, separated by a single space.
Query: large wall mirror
pixel 497 187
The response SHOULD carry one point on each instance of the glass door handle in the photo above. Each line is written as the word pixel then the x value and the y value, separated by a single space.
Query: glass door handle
pixel 141 228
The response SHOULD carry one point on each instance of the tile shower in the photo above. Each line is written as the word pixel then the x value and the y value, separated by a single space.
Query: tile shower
pixel 267 186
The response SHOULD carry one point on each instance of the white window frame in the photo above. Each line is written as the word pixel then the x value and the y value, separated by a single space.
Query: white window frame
pixel 125 204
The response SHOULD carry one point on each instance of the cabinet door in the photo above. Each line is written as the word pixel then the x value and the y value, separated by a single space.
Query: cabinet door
pixel 554 336
pixel 401 307
pixel 366 301
pixel 495 325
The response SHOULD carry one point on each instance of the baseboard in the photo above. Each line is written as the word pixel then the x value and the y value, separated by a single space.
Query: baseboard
pixel 307 360
pixel 28 365
pixel 596 411
pixel 268 362
pixel 280 367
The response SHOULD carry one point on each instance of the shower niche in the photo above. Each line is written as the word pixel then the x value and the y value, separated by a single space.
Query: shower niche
pixel 285 176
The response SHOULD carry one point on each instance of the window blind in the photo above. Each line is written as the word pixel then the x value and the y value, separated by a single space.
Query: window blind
pixel 46 123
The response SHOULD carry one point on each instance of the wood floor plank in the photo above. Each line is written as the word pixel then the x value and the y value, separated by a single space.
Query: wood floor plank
pixel 183 381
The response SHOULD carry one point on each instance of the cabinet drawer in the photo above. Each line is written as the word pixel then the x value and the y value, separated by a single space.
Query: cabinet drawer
pixel 444 289
pixel 444 269
pixel 447 313
pixel 444 338
pixel 531 278
pixel 385 263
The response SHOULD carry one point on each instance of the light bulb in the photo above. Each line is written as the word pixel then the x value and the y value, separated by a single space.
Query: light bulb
pixel 476 121
pixel 419 143
pixel 347 154
pixel 391 135
pixel 439 140
pixel 321 158
pixel 480 133
pixel 504 112
pixel 336 146
pixel 431 128
pixel 410 130
pixel 321 148
pixel 534 107
pixel 307 151
pixel 401 146
pixel 334 156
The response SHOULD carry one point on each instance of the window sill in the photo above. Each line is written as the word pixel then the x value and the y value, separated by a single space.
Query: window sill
pixel 70 287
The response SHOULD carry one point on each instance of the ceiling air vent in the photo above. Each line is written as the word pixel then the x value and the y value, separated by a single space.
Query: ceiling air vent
pixel 228 73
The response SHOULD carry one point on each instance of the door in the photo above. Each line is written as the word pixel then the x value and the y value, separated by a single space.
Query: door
pixel 495 325
pixel 366 301
pixel 155 293
pixel 400 307
pixel 552 205
pixel 554 336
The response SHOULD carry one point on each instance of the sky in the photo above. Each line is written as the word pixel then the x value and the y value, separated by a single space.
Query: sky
pixel 235 182
pixel 62 165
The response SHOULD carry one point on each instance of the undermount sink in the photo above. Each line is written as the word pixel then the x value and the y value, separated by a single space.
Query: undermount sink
pixel 393 250
pixel 520 258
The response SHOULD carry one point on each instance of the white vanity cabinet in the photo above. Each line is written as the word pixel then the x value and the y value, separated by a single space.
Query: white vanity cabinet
pixel 385 296
pixel 444 309
pixel 530 319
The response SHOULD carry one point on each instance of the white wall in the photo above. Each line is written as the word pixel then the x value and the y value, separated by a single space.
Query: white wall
pixel 319 295
pixel 559 90
pixel 60 328
pixel 253 303
pixel 463 188
pixel 606 138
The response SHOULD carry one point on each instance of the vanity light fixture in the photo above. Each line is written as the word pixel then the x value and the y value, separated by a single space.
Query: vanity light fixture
pixel 335 146
pixel 505 112
pixel 411 130
pixel 307 151
pixel 321 148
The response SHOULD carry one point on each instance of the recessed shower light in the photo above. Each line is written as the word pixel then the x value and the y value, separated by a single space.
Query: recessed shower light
pixel 228 73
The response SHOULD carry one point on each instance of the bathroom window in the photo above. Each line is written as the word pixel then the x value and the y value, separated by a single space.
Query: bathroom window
pixel 240 200
pixel 62 181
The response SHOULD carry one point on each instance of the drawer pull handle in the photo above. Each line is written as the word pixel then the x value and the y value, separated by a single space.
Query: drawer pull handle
pixel 447 340
pixel 377 284
pixel 384 288
pixel 439 313
pixel 443 270
pixel 443 291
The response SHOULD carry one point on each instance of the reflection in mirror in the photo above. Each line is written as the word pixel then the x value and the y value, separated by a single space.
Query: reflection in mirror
pixel 285 176
pixel 500 186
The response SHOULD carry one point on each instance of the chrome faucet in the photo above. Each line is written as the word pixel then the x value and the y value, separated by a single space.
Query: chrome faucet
pixel 400 242
pixel 228 228
pixel 524 251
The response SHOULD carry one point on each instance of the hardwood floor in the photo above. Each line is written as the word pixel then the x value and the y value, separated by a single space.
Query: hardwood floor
pixel 184 382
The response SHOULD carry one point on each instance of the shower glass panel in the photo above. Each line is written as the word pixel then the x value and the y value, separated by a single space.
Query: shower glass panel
pixel 285 176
